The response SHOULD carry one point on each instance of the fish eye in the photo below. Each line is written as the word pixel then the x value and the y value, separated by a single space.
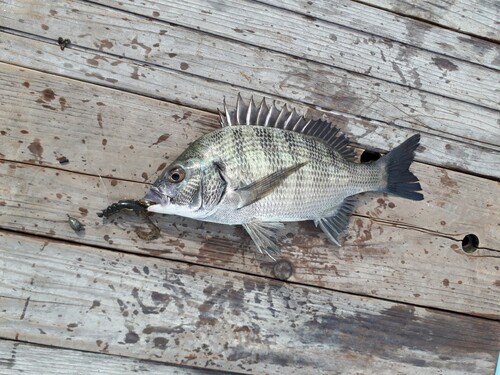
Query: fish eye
pixel 176 175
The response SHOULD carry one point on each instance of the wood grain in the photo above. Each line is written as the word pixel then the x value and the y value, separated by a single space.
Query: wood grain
pixel 388 256
pixel 477 17
pixel 172 312
pixel 442 147
pixel 83 127
pixel 155 42
pixel 363 17
pixel 28 359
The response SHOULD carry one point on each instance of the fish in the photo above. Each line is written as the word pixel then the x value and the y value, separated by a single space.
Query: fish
pixel 267 165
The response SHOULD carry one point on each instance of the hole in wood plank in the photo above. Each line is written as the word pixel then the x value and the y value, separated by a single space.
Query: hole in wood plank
pixel 470 243
pixel 368 156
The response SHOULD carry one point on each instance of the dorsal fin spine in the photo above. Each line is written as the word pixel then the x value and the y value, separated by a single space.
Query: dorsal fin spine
pixel 288 120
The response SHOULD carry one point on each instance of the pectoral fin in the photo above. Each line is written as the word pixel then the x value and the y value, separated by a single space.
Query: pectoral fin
pixel 264 186
pixel 264 236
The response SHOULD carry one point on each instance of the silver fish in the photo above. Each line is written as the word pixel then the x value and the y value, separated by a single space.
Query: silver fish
pixel 266 166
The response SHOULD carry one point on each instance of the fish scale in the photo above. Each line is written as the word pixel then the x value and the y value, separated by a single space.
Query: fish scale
pixel 267 166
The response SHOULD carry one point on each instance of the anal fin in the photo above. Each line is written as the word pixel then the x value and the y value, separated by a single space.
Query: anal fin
pixel 334 225
pixel 264 236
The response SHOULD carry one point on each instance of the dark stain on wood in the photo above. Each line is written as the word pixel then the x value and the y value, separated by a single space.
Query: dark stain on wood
pixel 99 119
pixel 48 95
pixel 26 84
pixel 184 66
pixel 131 337
pixel 36 149
pixel 444 64
pixel 161 138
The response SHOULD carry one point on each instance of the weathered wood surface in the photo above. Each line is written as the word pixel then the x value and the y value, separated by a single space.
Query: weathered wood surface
pixel 359 16
pixel 378 75
pixel 28 359
pixel 147 41
pixel 448 144
pixel 141 307
pixel 388 256
pixel 477 17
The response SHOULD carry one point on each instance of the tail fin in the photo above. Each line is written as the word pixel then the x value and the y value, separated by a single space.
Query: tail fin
pixel 400 181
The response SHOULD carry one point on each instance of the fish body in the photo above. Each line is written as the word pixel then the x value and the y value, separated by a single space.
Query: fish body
pixel 267 166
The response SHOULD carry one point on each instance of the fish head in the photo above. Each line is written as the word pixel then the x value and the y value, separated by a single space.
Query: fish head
pixel 178 189
pixel 191 186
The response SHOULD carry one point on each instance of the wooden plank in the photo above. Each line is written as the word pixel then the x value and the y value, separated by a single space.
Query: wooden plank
pixel 397 255
pixel 154 42
pixel 91 132
pixel 476 17
pixel 442 147
pixel 398 28
pixel 41 106
pixel 148 308
pixel 29 359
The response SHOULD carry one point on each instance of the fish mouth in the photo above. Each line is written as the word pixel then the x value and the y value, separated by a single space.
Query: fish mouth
pixel 155 197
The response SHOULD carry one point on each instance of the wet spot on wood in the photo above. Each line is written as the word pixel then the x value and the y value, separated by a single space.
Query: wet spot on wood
pixel 172 54
pixel 63 160
pixel 144 175
pixel 156 14
pixel 283 269
pixel 70 327
pixel 161 167
pixel 444 64
pixel 114 182
pixel 48 95
pixel 26 84
pixel 446 282
pixel 45 27
pixel 184 66
pixel 104 142
pixel 131 337
pixel 105 43
pixel 36 149
pixel 391 205
pixel 92 62
pixel 99 119
pixel 135 73
pixel 161 138
pixel 53 12
pixel 160 343
pixel 447 181
pixel 136 43
pixel 62 103
pixel 83 211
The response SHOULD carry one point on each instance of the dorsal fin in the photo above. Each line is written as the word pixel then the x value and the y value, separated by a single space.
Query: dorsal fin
pixel 263 115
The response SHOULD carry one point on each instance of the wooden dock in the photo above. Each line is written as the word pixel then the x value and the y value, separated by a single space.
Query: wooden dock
pixel 92 119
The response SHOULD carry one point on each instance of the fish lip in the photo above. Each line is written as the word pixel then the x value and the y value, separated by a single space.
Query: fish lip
pixel 155 196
